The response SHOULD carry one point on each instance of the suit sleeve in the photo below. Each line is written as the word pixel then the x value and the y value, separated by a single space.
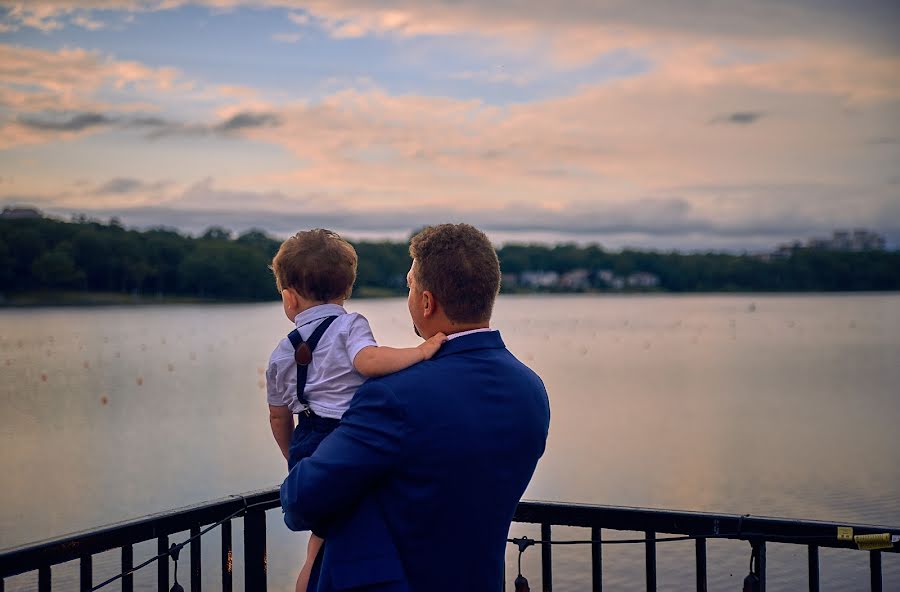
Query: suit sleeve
pixel 349 463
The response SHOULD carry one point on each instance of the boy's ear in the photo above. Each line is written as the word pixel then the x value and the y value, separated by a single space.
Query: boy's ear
pixel 289 297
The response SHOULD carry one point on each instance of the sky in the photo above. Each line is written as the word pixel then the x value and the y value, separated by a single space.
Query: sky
pixel 693 125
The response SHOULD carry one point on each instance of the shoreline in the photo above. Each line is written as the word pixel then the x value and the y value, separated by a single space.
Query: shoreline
pixel 33 300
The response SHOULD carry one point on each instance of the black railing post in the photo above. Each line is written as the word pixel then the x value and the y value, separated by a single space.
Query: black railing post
pixel 87 573
pixel 650 556
pixel 546 558
pixel 44 578
pixel 255 551
pixel 127 564
pixel 762 565
pixel 162 566
pixel 701 564
pixel 813 568
pixel 195 559
pixel 597 559
pixel 875 570
pixel 227 557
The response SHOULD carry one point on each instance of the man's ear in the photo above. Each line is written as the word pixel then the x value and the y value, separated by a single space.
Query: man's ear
pixel 429 304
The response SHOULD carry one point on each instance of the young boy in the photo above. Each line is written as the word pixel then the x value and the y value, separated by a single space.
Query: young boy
pixel 314 272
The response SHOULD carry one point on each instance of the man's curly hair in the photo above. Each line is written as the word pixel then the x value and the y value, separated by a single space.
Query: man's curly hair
pixel 458 264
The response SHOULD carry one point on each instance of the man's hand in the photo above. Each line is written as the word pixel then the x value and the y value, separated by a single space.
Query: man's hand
pixel 432 345
pixel 348 465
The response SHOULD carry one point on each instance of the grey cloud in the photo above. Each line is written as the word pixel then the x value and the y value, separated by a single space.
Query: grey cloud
pixel 241 121
pixel 76 122
pixel 118 185
pixel 124 185
pixel 157 127
pixel 247 120
pixel 739 117
pixel 66 123
pixel 146 122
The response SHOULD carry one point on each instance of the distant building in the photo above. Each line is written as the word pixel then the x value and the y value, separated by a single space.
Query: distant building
pixel 857 240
pixel 577 279
pixel 642 279
pixel 605 276
pixel 785 250
pixel 863 240
pixel 539 279
pixel 820 244
pixel 16 213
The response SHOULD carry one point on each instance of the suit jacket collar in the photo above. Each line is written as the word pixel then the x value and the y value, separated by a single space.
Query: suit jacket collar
pixel 474 341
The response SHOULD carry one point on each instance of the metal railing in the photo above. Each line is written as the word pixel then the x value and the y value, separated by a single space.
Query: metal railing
pixel 253 506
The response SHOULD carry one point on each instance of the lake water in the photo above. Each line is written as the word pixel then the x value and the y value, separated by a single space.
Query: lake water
pixel 768 405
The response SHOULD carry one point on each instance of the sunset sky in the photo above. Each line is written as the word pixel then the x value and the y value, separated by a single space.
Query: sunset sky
pixel 693 125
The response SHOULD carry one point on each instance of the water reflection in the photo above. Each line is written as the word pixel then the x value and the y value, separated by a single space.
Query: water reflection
pixel 767 405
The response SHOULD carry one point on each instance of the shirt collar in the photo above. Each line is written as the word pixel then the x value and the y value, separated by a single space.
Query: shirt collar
pixel 478 340
pixel 318 312
pixel 461 333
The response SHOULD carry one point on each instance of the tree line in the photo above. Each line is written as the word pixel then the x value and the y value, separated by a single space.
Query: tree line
pixel 48 255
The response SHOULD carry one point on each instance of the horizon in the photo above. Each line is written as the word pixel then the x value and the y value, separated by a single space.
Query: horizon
pixel 499 238
pixel 735 127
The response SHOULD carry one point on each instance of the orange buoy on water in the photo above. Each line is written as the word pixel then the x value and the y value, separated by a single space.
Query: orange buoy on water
pixel 103 400
pixel 140 380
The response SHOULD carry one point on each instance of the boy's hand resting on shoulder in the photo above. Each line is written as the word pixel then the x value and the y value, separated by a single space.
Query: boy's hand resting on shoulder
pixel 378 360
pixel 432 345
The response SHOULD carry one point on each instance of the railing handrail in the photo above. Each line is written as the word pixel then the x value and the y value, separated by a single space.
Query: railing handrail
pixel 28 557
pixel 694 523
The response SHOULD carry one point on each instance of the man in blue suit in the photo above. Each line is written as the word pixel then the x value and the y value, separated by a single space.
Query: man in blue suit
pixel 416 488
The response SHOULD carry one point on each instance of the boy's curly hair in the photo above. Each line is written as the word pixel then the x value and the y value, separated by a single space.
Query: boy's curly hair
pixel 318 264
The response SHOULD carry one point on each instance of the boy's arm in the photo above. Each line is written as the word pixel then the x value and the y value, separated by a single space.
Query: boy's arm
pixel 282 421
pixel 376 360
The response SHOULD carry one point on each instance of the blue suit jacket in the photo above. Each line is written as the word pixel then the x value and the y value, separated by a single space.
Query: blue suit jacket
pixel 416 488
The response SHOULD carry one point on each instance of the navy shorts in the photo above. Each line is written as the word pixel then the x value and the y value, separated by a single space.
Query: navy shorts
pixel 309 433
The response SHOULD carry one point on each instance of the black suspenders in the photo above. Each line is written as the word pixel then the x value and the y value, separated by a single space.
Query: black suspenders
pixel 303 355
